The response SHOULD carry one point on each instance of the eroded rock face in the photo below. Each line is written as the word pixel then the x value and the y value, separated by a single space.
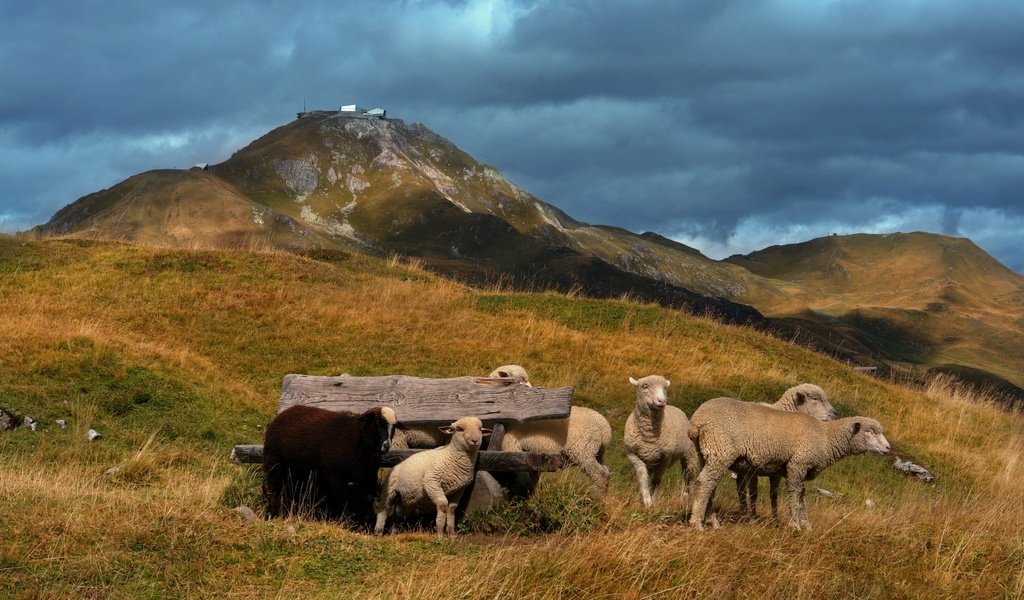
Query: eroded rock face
pixel 300 176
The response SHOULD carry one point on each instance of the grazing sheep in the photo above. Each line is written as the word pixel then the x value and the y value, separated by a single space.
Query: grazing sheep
pixel 434 477
pixel 331 458
pixel 656 437
pixel 731 433
pixel 426 436
pixel 581 439
pixel 805 398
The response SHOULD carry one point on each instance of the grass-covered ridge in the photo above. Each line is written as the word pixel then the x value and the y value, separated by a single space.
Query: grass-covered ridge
pixel 176 355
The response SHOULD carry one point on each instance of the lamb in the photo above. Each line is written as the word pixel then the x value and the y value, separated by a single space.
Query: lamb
pixel 728 432
pixel 656 437
pixel 431 437
pixel 331 458
pixel 806 398
pixel 434 477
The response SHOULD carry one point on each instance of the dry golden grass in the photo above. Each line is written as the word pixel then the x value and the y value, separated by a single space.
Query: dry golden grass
pixel 177 355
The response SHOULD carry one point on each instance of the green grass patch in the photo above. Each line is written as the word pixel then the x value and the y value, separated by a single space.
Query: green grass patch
pixel 575 313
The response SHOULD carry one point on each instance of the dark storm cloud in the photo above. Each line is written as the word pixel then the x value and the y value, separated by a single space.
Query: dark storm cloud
pixel 729 125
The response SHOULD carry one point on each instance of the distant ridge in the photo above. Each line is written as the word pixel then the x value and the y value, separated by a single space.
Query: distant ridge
pixel 342 182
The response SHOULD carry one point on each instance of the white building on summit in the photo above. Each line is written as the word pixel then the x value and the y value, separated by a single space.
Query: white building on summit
pixel 352 110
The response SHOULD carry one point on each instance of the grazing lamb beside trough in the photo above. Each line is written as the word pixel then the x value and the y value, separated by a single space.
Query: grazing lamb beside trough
pixel 656 436
pixel 426 436
pixel 327 457
pixel 759 439
pixel 805 398
pixel 434 478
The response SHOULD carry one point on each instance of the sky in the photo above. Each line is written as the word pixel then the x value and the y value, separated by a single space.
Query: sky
pixel 726 125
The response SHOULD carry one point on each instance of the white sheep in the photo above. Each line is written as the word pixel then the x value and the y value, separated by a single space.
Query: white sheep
pixel 805 398
pixel 656 436
pixel 434 478
pixel 728 432
pixel 581 439
pixel 424 436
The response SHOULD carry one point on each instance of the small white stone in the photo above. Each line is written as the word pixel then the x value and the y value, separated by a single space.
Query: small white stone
pixel 869 503
pixel 246 513
pixel 93 435
pixel 62 424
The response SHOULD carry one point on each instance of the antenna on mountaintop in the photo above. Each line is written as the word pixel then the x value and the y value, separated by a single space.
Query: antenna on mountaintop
pixel 303 103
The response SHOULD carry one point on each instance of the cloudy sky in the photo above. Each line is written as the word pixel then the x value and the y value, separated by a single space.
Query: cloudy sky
pixel 727 125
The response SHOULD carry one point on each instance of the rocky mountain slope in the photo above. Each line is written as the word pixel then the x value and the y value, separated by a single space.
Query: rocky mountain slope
pixel 342 182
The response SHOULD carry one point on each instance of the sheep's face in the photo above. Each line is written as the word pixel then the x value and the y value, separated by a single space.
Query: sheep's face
pixel 467 433
pixel 812 400
pixel 652 391
pixel 868 437
pixel 384 420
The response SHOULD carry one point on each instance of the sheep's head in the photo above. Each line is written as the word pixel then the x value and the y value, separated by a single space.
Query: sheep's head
pixel 513 372
pixel 866 436
pixel 809 399
pixel 652 391
pixel 383 419
pixel 467 433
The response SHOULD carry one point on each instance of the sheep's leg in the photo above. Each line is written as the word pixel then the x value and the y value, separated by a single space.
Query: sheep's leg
pixel 690 465
pixel 743 490
pixel 797 510
pixel 656 474
pixel 773 492
pixel 598 475
pixel 588 459
pixel 385 508
pixel 752 494
pixel 453 504
pixel 642 478
pixel 707 480
pixel 272 484
pixel 440 500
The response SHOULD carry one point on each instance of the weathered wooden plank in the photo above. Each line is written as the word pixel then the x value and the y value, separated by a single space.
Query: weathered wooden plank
pixel 487 460
pixel 247 453
pixel 419 400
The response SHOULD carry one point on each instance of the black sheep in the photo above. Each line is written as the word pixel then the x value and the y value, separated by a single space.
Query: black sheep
pixel 325 460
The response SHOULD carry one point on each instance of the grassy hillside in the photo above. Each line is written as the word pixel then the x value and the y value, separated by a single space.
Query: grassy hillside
pixel 919 298
pixel 177 355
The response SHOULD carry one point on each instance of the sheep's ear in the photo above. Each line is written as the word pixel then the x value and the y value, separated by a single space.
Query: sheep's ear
pixel 667 383
pixel 633 381
pixel 486 431
pixel 447 429
pixel 856 427
pixel 800 398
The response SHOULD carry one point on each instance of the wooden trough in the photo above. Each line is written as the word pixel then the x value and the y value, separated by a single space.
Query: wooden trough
pixel 423 401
